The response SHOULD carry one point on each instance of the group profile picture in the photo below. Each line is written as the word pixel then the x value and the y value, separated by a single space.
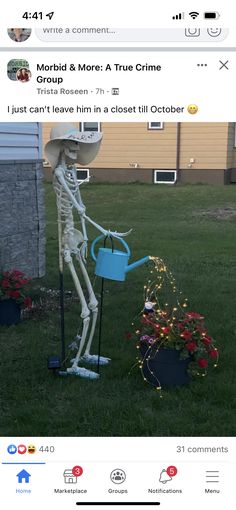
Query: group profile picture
pixel 18 70
pixel 19 34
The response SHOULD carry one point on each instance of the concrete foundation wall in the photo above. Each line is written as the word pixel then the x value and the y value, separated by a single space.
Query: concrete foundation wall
pixel 146 175
pixel 188 176
pixel 204 176
pixel 22 219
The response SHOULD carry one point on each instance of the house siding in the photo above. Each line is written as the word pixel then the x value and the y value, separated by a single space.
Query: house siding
pixel 130 151
pixel 206 143
pixel 20 140
pixel 125 144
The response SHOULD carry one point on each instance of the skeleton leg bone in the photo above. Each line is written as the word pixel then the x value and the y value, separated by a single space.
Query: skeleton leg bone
pixel 85 315
pixel 93 306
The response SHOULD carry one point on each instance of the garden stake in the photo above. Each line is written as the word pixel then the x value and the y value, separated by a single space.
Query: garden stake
pixel 101 310
pixel 62 314
pixel 61 288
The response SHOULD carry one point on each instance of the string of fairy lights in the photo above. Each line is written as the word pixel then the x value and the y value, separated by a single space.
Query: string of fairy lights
pixel 161 281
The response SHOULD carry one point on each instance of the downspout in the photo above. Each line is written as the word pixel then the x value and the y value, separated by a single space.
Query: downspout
pixel 178 142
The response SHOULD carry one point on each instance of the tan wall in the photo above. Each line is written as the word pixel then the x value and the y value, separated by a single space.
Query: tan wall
pixel 234 147
pixel 231 144
pixel 127 144
pixel 206 143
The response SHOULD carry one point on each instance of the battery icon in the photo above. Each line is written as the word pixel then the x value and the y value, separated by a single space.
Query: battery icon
pixel 211 15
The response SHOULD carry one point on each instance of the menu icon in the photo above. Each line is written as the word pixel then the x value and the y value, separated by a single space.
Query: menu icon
pixel 212 476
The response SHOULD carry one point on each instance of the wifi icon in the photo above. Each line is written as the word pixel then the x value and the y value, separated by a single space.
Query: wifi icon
pixel 194 14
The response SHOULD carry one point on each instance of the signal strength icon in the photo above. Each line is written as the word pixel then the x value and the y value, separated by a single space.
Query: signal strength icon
pixel 194 14
pixel 179 16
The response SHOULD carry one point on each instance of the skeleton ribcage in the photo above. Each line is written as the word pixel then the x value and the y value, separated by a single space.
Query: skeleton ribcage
pixel 64 204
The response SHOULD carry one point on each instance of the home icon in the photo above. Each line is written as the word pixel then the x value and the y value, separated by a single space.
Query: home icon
pixel 23 476
pixel 69 477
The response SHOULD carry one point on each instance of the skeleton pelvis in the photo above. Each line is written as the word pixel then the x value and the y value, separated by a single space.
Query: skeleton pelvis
pixel 72 239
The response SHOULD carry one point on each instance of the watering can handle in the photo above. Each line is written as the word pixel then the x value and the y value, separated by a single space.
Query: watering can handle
pixel 102 237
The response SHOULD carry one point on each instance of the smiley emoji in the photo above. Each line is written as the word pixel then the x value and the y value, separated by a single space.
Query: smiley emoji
pixel 192 109
pixel 31 448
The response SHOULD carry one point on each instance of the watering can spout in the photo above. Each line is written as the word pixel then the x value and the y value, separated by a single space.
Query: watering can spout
pixel 137 264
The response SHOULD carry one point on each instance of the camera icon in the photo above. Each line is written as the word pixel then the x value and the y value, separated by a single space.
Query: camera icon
pixel 192 32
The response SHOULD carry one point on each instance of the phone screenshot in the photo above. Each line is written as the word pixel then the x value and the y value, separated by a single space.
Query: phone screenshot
pixel 117 255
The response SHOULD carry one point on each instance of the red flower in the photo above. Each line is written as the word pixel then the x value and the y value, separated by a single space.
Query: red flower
pixel 128 334
pixel 166 330
pixel 213 353
pixel 191 346
pixel 28 304
pixel 18 285
pixel 187 335
pixel 194 315
pixel 181 325
pixel 207 340
pixel 203 363
pixel 15 294
pixel 5 283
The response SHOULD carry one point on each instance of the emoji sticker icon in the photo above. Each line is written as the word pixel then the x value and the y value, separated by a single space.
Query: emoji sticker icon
pixel 192 109
pixel 31 448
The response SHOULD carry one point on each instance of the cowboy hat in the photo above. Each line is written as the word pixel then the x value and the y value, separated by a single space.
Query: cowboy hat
pixel 88 141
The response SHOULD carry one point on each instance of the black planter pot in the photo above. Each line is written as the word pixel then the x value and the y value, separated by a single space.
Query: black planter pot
pixel 164 368
pixel 9 312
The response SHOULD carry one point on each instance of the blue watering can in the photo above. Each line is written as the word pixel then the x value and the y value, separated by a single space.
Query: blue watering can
pixel 113 264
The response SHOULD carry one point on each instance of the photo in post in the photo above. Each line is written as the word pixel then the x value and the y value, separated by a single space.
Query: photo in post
pixel 117 253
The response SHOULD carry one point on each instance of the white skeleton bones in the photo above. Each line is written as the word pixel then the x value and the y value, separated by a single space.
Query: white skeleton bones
pixel 65 148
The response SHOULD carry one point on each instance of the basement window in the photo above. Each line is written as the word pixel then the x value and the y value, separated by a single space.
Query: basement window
pixel 165 176
pixel 155 125
pixel 90 126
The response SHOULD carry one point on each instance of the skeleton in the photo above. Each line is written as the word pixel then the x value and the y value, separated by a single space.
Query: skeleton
pixel 66 147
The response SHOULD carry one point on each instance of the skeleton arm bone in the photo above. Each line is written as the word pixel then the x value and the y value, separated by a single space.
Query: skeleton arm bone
pixel 80 201
pixel 107 232
pixel 59 173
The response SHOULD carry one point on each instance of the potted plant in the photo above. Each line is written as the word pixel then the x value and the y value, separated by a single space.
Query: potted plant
pixel 13 296
pixel 174 347
pixel 173 343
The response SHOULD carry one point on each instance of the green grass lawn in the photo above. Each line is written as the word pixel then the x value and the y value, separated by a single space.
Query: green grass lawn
pixel 193 228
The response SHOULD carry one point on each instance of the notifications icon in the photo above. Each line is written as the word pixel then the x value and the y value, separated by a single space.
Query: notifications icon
pixel 166 475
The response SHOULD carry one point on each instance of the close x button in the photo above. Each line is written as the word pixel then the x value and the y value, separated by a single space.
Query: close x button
pixel 224 64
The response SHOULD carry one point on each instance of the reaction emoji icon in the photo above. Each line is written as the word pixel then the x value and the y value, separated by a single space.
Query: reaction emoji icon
pixel 31 448
pixel 192 109
pixel 22 449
